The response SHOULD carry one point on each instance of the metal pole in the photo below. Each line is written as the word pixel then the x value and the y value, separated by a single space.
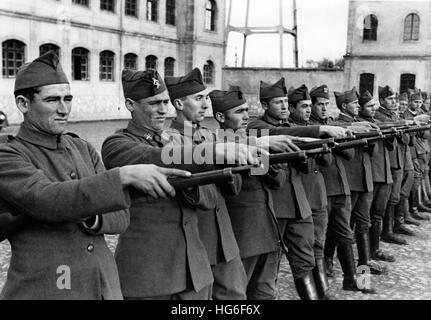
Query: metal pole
pixel 280 31
pixel 295 27
pixel 244 48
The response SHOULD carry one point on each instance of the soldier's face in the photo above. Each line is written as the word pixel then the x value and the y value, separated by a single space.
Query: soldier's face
pixel 195 106
pixel 352 108
pixel 236 118
pixel 415 104
pixel 151 112
pixel 320 108
pixel 278 108
pixel 426 105
pixel 403 106
pixel 369 109
pixel 302 110
pixel 389 103
pixel 49 111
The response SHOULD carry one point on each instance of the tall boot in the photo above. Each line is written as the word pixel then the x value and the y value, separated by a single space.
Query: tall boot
pixel 376 253
pixel 425 199
pixel 306 287
pixel 363 245
pixel 427 183
pixel 421 206
pixel 399 222
pixel 414 204
pixel 329 252
pixel 407 216
pixel 320 279
pixel 388 223
pixel 347 261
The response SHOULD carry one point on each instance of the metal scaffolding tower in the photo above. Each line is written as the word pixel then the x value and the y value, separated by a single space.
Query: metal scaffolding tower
pixel 278 29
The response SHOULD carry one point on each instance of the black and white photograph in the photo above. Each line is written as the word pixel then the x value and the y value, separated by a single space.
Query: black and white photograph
pixel 234 151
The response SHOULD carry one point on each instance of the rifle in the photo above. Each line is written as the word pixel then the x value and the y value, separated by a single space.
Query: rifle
pixel 330 143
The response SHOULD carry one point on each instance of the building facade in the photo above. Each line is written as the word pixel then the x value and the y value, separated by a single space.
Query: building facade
pixel 97 39
pixel 388 43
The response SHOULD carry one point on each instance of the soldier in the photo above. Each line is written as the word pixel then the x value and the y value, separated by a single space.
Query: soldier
pixel 251 211
pixel 190 98
pixel 58 182
pixel 403 102
pixel 290 202
pixel 419 152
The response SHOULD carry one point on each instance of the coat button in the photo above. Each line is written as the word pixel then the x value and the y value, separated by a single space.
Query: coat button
pixel 90 248
pixel 73 175
pixel 316 171
pixel 218 210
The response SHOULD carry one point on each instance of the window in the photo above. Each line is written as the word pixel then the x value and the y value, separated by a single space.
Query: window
pixel 170 12
pixel 209 72
pixel 82 2
pixel 80 64
pixel 370 27
pixel 151 62
pixel 108 5
pixel 411 27
pixel 169 67
pixel 106 65
pixel 366 83
pixel 13 57
pixel 131 61
pixel 210 15
pixel 407 81
pixel 152 10
pixel 48 47
pixel 131 8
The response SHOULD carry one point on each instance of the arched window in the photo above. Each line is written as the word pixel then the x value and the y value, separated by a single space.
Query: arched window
pixel 107 65
pixel 370 27
pixel 49 47
pixel 208 75
pixel 366 83
pixel 210 15
pixel 131 61
pixel 411 27
pixel 151 62
pixel 169 67
pixel 170 12
pixel 152 8
pixel 80 64
pixel 13 57
pixel 407 81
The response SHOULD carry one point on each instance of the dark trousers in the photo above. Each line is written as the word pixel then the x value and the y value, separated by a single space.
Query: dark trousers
pixel 204 294
pixel 381 195
pixel 407 184
pixel 230 280
pixel 298 235
pixel 397 177
pixel 320 221
pixel 361 206
pixel 262 274
pixel 339 210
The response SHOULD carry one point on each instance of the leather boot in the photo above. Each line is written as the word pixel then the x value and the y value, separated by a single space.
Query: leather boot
pixel 414 204
pixel 425 199
pixel 306 287
pixel 376 253
pixel 364 255
pixel 320 279
pixel 427 183
pixel 421 206
pixel 347 261
pixel 388 223
pixel 407 216
pixel 329 252
pixel 399 224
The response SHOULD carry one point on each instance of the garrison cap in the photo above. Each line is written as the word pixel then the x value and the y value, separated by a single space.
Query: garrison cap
pixel 385 92
pixel 269 91
pixel 346 97
pixel 365 97
pixel 403 97
pixel 139 85
pixel 226 100
pixel 45 70
pixel 415 94
pixel 299 94
pixel 180 87
pixel 320 92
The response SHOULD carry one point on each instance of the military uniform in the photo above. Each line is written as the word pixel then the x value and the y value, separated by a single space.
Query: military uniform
pixel 59 181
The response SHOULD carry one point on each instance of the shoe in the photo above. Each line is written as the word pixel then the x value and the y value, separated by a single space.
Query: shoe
pixel 406 210
pixel 347 261
pixel 306 287
pixel 418 216
pixel 402 229
pixel 363 245
pixel 388 223
pixel 382 256
pixel 321 280
pixel 377 268
pixel 423 208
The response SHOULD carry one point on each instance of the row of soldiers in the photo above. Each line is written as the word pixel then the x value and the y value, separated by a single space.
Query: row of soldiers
pixel 206 238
